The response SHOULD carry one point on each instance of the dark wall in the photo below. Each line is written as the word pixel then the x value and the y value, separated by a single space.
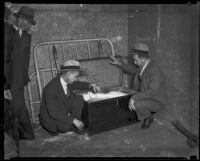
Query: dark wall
pixel 169 30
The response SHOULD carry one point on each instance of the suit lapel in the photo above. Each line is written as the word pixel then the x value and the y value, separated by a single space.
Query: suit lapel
pixel 60 88
pixel 136 81
pixel 145 71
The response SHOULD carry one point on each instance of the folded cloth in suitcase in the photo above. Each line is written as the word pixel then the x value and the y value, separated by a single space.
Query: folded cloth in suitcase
pixel 89 96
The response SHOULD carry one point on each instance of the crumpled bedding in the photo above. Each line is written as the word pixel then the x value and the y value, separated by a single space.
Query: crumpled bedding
pixel 89 96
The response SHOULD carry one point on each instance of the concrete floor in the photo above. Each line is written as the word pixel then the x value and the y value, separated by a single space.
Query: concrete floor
pixel 161 140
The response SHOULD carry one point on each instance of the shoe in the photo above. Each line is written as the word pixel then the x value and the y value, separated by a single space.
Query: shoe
pixel 147 122
pixel 80 132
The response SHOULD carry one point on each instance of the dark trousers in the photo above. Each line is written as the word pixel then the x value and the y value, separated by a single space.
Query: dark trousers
pixel 76 104
pixel 146 107
pixel 24 123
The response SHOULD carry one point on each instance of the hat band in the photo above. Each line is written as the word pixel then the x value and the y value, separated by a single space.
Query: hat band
pixel 69 67
pixel 140 52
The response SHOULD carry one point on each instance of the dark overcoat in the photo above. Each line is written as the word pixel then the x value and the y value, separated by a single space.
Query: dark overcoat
pixel 20 58
pixel 55 107
pixel 8 47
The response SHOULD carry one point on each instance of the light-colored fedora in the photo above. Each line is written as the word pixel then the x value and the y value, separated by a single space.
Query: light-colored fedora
pixel 72 65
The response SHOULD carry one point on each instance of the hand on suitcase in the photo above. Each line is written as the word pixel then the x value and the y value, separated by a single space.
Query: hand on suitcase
pixel 95 88
pixel 131 104
pixel 79 124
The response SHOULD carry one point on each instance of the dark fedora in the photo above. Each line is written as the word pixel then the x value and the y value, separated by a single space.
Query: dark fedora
pixel 7 12
pixel 140 49
pixel 27 14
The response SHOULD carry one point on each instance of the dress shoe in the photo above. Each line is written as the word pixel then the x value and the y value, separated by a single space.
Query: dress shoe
pixel 147 122
pixel 80 132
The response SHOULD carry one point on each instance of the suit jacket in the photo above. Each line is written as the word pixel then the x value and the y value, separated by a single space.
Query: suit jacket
pixel 54 103
pixel 151 84
pixel 20 58
pixel 8 47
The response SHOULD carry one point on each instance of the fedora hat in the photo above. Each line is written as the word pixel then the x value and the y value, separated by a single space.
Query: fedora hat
pixel 72 65
pixel 140 49
pixel 27 14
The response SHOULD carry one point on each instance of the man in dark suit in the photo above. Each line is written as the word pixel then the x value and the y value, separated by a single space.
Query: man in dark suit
pixel 149 82
pixel 61 109
pixel 9 31
pixel 19 65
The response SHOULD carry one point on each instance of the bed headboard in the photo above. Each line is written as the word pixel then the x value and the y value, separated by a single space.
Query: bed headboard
pixel 93 55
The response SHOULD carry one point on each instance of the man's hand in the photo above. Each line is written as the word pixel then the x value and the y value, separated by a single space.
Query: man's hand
pixel 7 94
pixel 115 62
pixel 79 124
pixel 95 88
pixel 131 104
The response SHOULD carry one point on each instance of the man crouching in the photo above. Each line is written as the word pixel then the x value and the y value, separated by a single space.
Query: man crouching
pixel 61 109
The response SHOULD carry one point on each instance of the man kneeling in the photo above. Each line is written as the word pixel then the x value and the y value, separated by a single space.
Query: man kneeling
pixel 61 109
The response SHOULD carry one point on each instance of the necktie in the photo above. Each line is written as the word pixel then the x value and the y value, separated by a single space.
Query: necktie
pixel 68 93
pixel 140 82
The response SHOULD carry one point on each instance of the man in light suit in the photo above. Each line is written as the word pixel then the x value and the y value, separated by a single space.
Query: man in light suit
pixel 61 109
pixel 149 82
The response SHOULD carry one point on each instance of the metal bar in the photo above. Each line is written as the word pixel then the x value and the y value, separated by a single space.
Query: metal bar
pixel 63 51
pixel 43 80
pixel 89 53
pixel 76 51
pixel 55 57
pixel 37 71
pixel 30 103
pixel 50 61
pixel 35 102
pixel 46 69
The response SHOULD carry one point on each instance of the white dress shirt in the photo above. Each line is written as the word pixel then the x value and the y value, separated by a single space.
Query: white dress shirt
pixel 64 85
pixel 144 67
pixel 18 29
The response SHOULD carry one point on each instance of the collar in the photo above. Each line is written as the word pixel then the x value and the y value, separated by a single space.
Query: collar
pixel 15 27
pixel 145 65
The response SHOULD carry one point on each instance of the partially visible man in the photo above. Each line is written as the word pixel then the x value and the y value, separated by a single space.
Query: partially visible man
pixel 149 82
pixel 9 31
pixel 61 109
pixel 20 58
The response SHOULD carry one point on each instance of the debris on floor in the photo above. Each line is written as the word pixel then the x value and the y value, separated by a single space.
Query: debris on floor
pixel 130 141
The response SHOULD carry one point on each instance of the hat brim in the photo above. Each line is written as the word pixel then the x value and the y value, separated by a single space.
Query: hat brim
pixel 81 71
pixel 138 52
pixel 33 22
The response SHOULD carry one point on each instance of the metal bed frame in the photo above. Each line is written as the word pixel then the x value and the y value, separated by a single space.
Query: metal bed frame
pixel 40 71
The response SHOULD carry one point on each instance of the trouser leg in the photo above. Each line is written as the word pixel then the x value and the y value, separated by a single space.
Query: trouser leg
pixel 24 123
pixel 145 108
